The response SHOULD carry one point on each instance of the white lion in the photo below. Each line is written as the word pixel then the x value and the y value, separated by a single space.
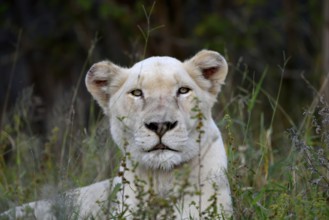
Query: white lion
pixel 160 117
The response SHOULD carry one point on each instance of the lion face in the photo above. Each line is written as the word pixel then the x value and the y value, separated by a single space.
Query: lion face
pixel 153 105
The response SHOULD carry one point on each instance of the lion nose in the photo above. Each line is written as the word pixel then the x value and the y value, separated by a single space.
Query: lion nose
pixel 160 128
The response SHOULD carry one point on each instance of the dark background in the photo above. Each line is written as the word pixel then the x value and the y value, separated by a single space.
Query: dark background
pixel 45 44
pixel 53 136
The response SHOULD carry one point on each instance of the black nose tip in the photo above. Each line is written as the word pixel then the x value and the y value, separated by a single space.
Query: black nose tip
pixel 160 128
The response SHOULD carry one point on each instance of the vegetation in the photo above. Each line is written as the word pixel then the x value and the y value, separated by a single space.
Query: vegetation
pixel 278 152
pixel 277 174
pixel 273 174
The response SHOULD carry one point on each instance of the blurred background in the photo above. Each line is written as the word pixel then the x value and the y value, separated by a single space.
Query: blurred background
pixel 53 133
pixel 45 44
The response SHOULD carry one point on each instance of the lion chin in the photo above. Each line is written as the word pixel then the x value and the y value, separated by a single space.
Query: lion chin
pixel 160 117
pixel 162 159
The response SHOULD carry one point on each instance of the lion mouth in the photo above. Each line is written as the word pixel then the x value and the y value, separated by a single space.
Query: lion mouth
pixel 161 147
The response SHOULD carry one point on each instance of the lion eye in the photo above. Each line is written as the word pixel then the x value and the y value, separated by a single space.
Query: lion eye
pixel 183 90
pixel 137 93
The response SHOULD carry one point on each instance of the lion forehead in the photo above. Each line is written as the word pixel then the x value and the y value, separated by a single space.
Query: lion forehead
pixel 159 73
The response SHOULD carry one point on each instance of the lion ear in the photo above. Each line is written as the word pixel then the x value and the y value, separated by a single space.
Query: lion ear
pixel 102 80
pixel 209 69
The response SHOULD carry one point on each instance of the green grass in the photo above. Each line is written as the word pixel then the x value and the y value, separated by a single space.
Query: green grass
pixel 274 173
pixel 68 156
pixel 278 167
pixel 277 174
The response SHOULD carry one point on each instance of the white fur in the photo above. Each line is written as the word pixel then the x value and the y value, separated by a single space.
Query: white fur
pixel 159 79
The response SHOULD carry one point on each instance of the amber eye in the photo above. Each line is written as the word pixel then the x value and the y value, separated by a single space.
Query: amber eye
pixel 137 93
pixel 183 90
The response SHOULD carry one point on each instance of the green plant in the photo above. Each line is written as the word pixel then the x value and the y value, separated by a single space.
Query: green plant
pixel 274 172
pixel 146 33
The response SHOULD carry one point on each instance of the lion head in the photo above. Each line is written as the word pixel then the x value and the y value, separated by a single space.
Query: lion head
pixel 153 105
